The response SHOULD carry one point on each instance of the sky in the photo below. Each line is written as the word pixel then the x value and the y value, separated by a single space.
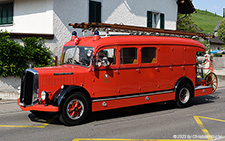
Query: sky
pixel 214 6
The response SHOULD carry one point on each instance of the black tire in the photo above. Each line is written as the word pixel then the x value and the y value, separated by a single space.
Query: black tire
pixel 75 109
pixel 184 94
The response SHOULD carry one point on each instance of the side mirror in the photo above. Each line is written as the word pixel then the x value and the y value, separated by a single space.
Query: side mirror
pixel 56 61
pixel 93 64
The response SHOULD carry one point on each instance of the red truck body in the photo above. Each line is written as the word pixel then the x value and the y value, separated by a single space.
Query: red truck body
pixel 139 70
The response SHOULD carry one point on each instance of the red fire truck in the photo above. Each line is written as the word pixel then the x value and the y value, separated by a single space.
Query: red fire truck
pixel 101 73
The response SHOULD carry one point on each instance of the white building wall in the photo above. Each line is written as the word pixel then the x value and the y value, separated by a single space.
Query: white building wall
pixel 133 12
pixel 128 12
pixel 32 16
pixel 65 12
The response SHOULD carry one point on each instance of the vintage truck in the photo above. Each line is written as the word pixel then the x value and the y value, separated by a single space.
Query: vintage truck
pixel 101 73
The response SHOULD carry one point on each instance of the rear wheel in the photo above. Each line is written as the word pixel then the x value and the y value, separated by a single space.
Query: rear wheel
pixel 183 95
pixel 75 109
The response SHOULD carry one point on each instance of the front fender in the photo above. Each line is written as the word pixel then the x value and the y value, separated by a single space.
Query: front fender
pixel 63 93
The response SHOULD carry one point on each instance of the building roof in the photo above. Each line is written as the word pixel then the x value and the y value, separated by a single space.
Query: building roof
pixel 216 40
pixel 185 7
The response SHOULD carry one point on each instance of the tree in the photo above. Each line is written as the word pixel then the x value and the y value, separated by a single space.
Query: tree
pixel 185 23
pixel 15 58
pixel 221 30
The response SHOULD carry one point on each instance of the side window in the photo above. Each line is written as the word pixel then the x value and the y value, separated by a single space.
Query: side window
pixel 128 56
pixel 109 53
pixel 148 55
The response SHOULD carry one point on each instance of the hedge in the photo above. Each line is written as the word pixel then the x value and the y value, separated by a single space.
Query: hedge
pixel 15 58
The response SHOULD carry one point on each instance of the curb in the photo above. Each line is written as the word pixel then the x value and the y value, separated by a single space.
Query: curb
pixel 221 77
pixel 9 95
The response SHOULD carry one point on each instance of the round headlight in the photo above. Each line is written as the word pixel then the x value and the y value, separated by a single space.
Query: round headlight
pixel 43 95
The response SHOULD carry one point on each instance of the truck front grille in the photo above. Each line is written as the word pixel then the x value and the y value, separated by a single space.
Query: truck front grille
pixel 29 88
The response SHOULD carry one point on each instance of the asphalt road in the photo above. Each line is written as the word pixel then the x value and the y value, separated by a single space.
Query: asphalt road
pixel 204 120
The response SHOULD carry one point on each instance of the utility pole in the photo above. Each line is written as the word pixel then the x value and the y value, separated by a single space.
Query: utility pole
pixel 224 12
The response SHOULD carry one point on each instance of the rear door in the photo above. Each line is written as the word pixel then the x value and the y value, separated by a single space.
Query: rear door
pixel 128 71
pixel 165 68
pixel 148 71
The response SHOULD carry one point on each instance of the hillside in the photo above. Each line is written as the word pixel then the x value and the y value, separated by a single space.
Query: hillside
pixel 206 20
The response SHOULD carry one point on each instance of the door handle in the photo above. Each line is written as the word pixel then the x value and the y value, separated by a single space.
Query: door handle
pixel 138 70
pixel 116 72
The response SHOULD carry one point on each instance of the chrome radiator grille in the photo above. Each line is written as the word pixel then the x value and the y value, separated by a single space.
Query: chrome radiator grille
pixel 29 88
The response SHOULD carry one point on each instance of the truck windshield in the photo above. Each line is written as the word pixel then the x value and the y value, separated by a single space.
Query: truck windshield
pixel 78 55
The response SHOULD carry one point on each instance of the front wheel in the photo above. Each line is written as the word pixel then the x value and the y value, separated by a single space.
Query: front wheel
pixel 183 95
pixel 75 109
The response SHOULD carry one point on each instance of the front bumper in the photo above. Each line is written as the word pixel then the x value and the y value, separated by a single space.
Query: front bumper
pixel 38 107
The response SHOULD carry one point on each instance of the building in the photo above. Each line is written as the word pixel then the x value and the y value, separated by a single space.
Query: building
pixel 50 18
pixel 216 43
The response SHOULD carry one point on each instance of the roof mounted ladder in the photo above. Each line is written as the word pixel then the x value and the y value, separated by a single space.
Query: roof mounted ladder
pixel 134 30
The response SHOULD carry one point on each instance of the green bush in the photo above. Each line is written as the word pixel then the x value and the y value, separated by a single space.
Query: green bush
pixel 15 58
pixel 218 55
pixel 36 52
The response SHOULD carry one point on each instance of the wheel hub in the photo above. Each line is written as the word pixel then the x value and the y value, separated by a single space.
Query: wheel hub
pixel 75 109
pixel 184 95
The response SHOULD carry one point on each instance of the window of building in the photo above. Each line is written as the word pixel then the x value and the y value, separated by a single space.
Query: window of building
pixel 162 21
pixel 148 55
pixel 154 19
pixel 95 11
pixel 128 56
pixel 6 13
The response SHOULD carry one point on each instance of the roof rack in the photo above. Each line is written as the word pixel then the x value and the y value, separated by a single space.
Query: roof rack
pixel 135 30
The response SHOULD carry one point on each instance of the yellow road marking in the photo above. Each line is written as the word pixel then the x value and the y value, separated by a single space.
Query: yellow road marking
pixel 27 126
pixel 204 130
pixel 211 118
pixel 102 139
pixel 22 126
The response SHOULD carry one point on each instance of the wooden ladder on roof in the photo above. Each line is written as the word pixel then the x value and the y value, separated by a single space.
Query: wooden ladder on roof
pixel 134 30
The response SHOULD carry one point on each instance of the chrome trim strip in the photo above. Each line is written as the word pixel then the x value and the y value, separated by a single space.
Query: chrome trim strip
pixel 132 96
pixel 202 87
pixel 21 104
pixel 65 73
pixel 33 71
pixel 144 67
